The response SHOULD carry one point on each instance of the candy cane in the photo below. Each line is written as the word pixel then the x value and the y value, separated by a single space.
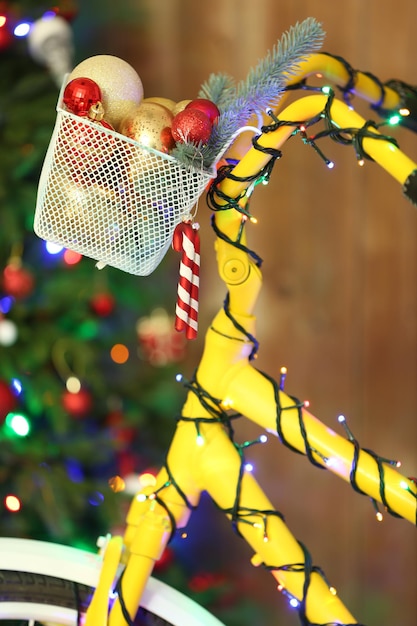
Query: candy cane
pixel 187 241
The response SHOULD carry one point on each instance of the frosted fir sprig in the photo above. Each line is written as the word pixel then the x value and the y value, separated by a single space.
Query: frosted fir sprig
pixel 262 89
pixel 218 88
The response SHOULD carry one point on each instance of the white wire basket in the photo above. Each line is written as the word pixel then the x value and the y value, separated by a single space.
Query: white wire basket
pixel 111 199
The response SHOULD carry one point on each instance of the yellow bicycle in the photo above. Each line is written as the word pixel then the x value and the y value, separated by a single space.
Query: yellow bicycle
pixel 204 455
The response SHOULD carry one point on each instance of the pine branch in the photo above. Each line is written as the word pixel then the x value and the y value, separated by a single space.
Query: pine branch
pixel 217 89
pixel 261 89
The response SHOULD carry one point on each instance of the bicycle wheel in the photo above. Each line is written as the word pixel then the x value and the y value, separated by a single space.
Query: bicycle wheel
pixel 51 584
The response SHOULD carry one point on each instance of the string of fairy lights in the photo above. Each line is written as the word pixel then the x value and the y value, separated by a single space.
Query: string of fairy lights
pixel 218 410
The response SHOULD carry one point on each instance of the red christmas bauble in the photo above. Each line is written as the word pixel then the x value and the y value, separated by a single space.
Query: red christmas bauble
pixel 6 38
pixel 8 400
pixel 191 126
pixel 121 432
pixel 167 558
pixel 206 106
pixel 167 140
pixel 85 148
pixel 80 95
pixel 77 404
pixel 66 9
pixel 102 304
pixel 17 281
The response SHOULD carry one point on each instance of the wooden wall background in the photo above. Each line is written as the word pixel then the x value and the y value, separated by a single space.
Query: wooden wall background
pixel 339 306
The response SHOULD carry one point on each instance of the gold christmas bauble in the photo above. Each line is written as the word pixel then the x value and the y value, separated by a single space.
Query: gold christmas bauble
pixel 121 87
pixel 88 214
pixel 180 106
pixel 84 147
pixel 149 124
pixel 166 102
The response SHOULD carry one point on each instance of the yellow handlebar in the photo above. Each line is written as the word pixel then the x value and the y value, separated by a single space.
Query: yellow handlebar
pixel 382 151
pixel 338 72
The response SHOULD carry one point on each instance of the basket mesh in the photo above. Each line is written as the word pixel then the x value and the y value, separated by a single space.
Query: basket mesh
pixel 111 199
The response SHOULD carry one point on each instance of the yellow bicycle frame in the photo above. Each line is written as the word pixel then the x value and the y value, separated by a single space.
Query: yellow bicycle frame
pixel 202 455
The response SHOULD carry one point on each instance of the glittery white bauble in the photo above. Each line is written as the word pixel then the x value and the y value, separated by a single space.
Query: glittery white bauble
pixel 120 85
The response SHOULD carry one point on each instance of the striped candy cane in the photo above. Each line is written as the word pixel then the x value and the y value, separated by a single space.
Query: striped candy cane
pixel 187 241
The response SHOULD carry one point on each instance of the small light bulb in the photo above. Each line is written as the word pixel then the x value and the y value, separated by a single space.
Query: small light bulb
pixel 341 419
pixel 249 467
pixel 6 304
pixel 200 440
pixel 178 378
pixel 330 164
pixel 19 424
pixel 184 536
pixel 333 591
pixel 12 503
pixel 147 480
pixel 294 602
pixel 403 484
pixel 379 516
pixel 283 376
pixel 361 162
pixel 17 386
pixel 404 112
pixel 73 384
pixel 263 439
pixel 22 29
pixel 326 89
pixel 71 257
pixel 53 248
pixel 394 119
pixel 141 497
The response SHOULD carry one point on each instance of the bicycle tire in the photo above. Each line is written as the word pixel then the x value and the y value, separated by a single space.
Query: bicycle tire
pixel 42 582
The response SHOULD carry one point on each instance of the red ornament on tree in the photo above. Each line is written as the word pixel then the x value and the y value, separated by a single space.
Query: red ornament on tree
pixel 160 343
pixel 166 559
pixel 77 404
pixel 8 400
pixel 102 304
pixel 17 281
pixel 66 9
pixel 6 37
pixel 191 126
pixel 207 107
pixel 121 432
pixel 80 95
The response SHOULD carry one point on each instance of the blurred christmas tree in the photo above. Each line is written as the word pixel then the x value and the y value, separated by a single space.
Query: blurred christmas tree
pixel 88 357
pixel 74 409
